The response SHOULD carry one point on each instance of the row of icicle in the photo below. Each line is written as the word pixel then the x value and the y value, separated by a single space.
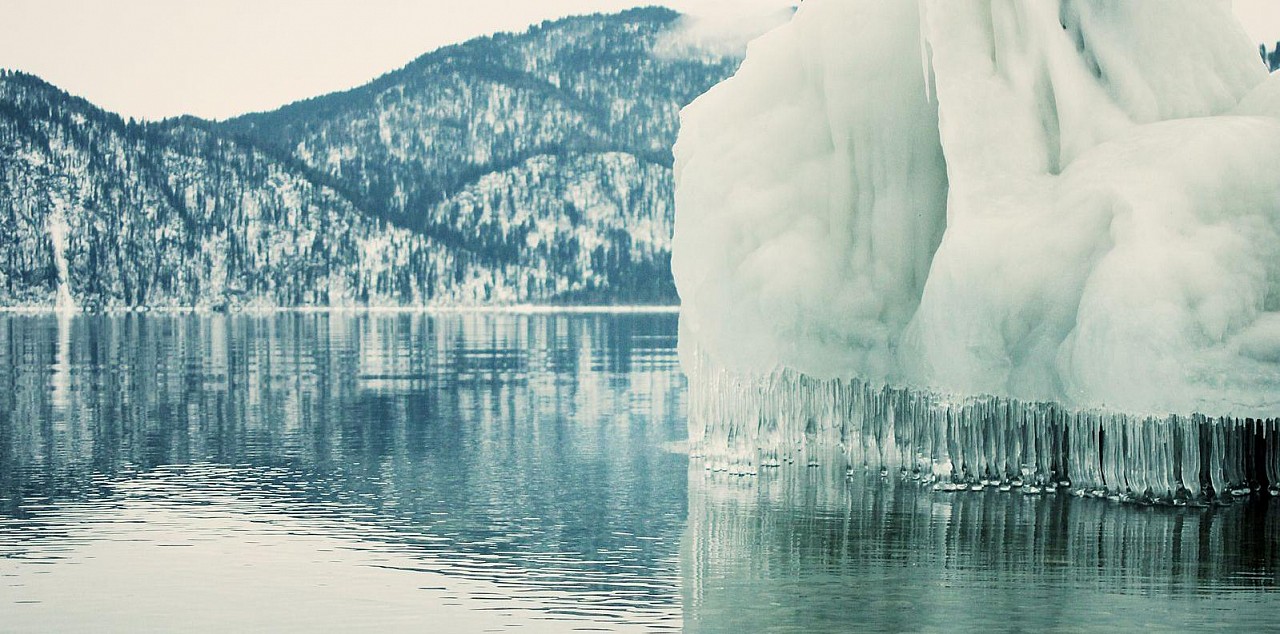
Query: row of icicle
pixel 740 425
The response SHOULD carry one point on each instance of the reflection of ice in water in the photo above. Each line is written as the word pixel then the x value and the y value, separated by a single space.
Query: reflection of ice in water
pixel 807 549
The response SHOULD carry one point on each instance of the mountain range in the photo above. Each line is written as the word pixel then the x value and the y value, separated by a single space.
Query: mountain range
pixel 517 168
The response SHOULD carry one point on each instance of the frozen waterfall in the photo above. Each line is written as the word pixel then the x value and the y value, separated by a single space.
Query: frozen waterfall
pixel 59 232
pixel 1051 257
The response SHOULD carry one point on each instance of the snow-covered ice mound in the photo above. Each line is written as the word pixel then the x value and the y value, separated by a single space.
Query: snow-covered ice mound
pixel 1068 202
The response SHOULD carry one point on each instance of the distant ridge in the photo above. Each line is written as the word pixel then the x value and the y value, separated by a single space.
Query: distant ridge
pixel 515 168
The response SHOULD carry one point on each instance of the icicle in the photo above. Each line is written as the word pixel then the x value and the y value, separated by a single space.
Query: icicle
pixel 739 424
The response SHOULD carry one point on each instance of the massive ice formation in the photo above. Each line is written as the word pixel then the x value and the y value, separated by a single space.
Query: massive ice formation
pixel 1071 202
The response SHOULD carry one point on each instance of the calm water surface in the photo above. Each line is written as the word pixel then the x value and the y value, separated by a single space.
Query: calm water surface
pixel 525 473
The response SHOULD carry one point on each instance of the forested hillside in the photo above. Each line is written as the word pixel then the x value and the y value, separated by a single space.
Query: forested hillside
pixel 531 167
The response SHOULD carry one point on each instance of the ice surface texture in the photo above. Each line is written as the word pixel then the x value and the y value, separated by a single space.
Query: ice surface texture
pixel 1070 202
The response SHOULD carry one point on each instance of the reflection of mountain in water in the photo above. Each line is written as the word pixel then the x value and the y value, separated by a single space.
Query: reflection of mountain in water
pixel 802 550
pixel 525 450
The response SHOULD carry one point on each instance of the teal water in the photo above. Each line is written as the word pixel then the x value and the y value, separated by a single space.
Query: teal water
pixel 524 473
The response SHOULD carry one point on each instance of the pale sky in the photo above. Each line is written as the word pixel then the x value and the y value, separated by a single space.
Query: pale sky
pixel 220 58
pixel 1261 18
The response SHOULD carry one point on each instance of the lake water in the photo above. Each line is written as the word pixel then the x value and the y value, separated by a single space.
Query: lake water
pixel 525 473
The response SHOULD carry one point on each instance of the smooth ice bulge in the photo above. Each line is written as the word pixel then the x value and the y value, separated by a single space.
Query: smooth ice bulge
pixel 1068 202
pixel 1111 232
pixel 811 196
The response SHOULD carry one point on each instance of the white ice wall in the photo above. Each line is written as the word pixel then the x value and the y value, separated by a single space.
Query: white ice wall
pixel 812 195
pixel 1075 201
